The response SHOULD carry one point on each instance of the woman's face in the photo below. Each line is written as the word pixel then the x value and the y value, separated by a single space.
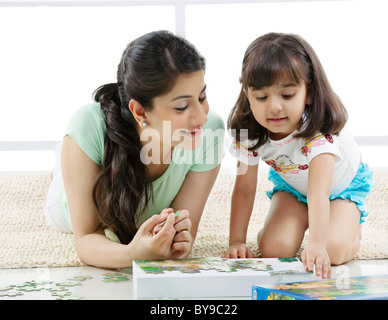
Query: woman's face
pixel 177 117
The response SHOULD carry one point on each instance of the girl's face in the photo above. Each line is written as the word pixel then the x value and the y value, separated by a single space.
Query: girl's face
pixel 278 108
pixel 178 117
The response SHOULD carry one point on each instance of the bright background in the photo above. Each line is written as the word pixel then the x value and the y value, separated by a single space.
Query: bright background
pixel 53 58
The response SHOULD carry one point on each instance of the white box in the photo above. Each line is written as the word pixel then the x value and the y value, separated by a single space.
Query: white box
pixel 211 277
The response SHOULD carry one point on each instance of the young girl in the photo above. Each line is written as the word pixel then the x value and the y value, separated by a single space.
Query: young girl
pixel 135 157
pixel 296 124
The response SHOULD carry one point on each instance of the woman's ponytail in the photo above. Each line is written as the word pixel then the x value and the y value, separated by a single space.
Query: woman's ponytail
pixel 120 186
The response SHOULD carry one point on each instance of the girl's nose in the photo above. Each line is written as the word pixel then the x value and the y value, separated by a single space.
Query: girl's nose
pixel 275 106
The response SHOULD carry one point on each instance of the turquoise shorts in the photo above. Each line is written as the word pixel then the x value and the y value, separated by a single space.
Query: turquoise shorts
pixel 357 190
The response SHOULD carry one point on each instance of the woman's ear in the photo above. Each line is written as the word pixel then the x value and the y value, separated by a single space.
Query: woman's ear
pixel 138 112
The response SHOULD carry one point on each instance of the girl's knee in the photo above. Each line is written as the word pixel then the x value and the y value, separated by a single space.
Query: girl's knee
pixel 341 251
pixel 272 247
pixel 337 255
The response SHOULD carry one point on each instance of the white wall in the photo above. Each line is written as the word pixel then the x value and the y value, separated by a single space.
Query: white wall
pixel 52 59
pixel 348 36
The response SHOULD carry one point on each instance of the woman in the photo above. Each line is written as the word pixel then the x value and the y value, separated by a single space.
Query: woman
pixel 148 147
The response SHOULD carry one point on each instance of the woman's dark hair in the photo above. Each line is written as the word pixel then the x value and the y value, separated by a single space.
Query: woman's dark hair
pixel 149 67
pixel 272 58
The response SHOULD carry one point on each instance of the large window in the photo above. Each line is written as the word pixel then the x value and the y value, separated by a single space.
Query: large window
pixel 51 61
pixel 53 58
pixel 348 36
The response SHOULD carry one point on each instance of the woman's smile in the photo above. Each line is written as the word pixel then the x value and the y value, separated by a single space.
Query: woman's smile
pixel 192 133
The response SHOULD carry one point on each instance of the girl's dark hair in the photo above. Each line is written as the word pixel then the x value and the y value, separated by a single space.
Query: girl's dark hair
pixel 149 67
pixel 272 58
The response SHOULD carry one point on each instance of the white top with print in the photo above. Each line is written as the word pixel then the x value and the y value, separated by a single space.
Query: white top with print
pixel 291 156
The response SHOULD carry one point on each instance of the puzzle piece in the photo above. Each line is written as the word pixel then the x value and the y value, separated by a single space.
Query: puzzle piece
pixel 12 293
pixel 5 288
pixel 80 278
pixel 288 272
pixel 287 259
pixel 69 297
pixel 68 284
pixel 114 277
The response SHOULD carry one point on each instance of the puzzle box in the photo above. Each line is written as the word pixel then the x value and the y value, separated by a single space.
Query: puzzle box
pixel 211 277
pixel 353 288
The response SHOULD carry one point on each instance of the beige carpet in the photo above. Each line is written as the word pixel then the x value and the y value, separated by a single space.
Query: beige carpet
pixel 26 240
pixel 213 231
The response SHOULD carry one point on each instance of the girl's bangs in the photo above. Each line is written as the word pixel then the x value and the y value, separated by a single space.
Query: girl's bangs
pixel 272 68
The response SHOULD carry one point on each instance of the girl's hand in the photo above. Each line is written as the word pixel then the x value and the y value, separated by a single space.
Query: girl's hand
pixel 149 245
pixel 315 254
pixel 238 251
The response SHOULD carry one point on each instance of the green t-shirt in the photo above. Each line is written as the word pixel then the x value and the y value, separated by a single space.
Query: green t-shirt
pixel 87 128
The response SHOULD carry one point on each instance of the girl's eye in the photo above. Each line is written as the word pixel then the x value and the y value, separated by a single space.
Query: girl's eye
pixel 288 96
pixel 261 98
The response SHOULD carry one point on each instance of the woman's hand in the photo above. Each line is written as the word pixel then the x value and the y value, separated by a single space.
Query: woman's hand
pixel 183 240
pixel 164 236
pixel 239 250
pixel 316 255
pixel 149 245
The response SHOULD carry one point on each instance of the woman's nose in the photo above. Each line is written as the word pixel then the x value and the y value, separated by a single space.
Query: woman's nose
pixel 199 115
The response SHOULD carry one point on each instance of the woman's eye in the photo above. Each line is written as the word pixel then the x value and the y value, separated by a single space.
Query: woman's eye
pixel 182 109
pixel 202 99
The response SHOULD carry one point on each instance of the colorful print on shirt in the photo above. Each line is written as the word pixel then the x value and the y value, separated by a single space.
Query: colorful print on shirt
pixel 284 164
pixel 316 141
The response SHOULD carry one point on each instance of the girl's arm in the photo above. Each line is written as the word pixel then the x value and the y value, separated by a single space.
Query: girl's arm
pixel 243 198
pixel 93 247
pixel 321 171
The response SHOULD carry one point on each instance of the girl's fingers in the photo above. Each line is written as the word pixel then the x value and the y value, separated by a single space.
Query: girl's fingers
pixel 308 261
pixel 318 267
pixel 241 253
pixel 326 270
pixel 233 253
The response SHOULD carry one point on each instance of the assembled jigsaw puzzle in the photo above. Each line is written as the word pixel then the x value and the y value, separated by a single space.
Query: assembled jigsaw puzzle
pixel 200 264
pixel 210 277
